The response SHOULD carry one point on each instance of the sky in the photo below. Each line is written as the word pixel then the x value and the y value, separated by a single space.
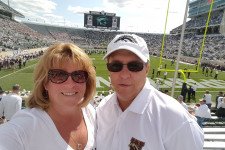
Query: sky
pixel 136 15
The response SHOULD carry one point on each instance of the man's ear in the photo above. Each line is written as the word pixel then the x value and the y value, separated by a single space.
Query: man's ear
pixel 147 68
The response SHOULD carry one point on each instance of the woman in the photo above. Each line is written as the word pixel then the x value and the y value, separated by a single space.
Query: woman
pixel 58 116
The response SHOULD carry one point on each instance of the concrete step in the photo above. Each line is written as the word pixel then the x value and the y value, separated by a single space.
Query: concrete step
pixel 214 122
pixel 214 145
pixel 214 137
pixel 214 117
pixel 213 114
pixel 214 131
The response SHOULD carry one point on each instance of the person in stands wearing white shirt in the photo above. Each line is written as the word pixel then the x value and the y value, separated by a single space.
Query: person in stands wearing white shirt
pixel 59 116
pixel 202 113
pixel 208 97
pixel 222 105
pixel 2 93
pixel 137 116
pixel 11 103
pixel 219 102
pixel 2 118
pixel 220 112
pixel 180 99
pixel 219 99
pixel 191 110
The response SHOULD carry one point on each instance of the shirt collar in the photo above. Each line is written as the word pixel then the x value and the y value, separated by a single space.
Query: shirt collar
pixel 115 102
pixel 141 102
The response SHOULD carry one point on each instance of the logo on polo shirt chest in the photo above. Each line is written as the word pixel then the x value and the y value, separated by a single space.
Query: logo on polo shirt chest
pixel 136 144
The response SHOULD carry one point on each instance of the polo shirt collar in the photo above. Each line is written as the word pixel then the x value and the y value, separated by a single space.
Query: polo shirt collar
pixel 141 102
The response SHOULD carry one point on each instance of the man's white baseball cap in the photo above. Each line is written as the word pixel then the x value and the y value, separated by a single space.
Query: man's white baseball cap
pixel 130 42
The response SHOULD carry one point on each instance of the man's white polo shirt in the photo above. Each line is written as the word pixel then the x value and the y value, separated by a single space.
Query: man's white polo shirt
pixel 153 118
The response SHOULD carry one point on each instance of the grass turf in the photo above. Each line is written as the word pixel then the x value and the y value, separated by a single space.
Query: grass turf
pixel 24 76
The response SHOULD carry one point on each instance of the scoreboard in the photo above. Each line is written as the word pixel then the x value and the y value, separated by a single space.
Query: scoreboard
pixel 101 20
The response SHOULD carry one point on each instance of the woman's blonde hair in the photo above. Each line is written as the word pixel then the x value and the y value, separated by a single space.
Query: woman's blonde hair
pixel 54 56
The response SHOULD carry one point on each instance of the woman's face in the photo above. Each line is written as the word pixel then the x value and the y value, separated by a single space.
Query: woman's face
pixel 66 94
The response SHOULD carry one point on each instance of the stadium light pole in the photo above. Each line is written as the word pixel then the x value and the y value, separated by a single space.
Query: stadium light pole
pixel 179 50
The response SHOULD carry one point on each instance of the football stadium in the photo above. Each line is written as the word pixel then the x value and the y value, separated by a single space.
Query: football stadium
pixel 191 55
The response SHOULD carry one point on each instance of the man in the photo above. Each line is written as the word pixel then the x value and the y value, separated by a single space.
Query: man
pixel 2 118
pixel 208 97
pixel 180 99
pixel 11 103
pixel 184 91
pixel 165 74
pixel 202 113
pixel 2 93
pixel 190 91
pixel 137 116
pixel 219 98
pixel 216 74
pixel 195 86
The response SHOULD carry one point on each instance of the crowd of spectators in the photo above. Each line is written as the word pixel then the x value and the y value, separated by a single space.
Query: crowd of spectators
pixel 199 22
pixel 15 35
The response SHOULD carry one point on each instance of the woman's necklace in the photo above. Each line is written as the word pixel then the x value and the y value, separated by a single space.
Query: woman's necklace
pixel 75 136
pixel 78 145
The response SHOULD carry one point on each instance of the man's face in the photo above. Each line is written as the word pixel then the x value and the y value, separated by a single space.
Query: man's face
pixel 126 83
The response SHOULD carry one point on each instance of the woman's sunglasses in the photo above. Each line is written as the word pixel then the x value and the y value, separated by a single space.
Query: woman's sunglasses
pixel 133 66
pixel 59 76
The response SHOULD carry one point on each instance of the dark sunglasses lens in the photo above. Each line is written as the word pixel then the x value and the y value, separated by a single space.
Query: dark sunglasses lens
pixel 79 76
pixel 135 66
pixel 57 76
pixel 114 67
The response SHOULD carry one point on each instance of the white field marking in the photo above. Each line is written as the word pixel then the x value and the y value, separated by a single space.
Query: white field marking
pixel 16 71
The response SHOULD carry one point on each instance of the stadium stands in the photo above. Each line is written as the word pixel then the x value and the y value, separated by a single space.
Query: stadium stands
pixel 19 35
pixel 15 35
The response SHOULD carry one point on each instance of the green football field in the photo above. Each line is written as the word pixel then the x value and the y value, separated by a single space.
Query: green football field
pixel 24 77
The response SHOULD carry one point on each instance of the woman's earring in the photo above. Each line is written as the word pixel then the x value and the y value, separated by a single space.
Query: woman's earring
pixel 45 94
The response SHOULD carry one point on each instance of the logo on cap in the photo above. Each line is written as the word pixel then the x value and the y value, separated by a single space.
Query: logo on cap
pixel 126 38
